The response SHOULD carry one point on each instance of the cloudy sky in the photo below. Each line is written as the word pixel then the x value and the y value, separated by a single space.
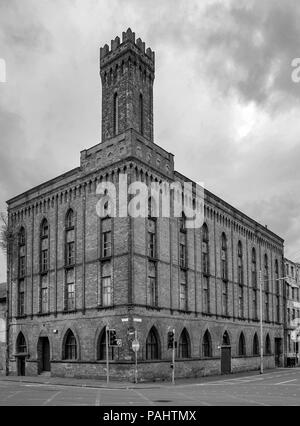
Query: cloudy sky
pixel 224 100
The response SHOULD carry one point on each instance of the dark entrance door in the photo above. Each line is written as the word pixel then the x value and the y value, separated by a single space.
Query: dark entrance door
pixel 225 359
pixel 277 351
pixel 45 354
pixel 21 366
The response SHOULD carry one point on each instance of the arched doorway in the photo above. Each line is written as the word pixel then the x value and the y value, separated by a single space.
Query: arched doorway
pixel 21 348
pixel 44 354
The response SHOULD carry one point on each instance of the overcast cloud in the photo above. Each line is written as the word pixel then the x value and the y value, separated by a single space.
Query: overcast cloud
pixel 224 100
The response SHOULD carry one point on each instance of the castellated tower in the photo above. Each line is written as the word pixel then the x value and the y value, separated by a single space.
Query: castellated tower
pixel 127 75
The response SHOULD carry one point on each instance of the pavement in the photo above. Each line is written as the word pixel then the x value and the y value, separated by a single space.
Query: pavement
pixel 274 387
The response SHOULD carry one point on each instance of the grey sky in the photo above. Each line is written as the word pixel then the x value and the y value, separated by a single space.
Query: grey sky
pixel 224 101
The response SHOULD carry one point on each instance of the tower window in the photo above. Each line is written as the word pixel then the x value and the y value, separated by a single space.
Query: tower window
pixel 141 114
pixel 116 114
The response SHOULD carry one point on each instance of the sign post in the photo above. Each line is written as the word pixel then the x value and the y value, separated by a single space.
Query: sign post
pixel 135 348
pixel 173 358
pixel 107 353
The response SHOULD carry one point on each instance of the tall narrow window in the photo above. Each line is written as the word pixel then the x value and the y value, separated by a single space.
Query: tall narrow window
pixel 205 268
pixel 254 303
pixel 21 345
pixel 151 238
pixel 183 291
pixel 70 346
pixel 225 297
pixel 106 244
pixel 240 280
pixel 44 246
pixel 21 297
pixel 255 345
pixel 152 299
pixel 224 268
pixel 184 345
pixel 268 345
pixel 116 114
pixel 152 345
pixel 242 345
pixel 141 114
pixel 44 293
pixel 101 348
pixel 70 238
pixel 253 269
pixel 207 346
pixel 70 290
pixel 21 272
pixel 182 243
pixel 106 291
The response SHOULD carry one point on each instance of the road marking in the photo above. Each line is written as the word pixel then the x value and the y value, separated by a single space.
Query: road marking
pixel 98 398
pixel 143 397
pixel 287 381
pixel 51 398
pixel 247 400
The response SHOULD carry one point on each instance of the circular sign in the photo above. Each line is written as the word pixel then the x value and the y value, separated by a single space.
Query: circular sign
pixel 135 345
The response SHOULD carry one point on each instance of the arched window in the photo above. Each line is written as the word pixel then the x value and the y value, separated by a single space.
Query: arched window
pixel 268 345
pixel 224 269
pixel 254 268
pixel 101 347
pixel 116 114
pixel 184 345
pixel 22 240
pixel 226 339
pixel 207 346
pixel 70 346
pixel 182 243
pixel 152 345
pixel 242 345
pixel 44 246
pixel 21 345
pixel 255 345
pixel 205 268
pixel 141 114
pixel 266 272
pixel 70 219
pixel 240 263
pixel 44 229
pixel 70 239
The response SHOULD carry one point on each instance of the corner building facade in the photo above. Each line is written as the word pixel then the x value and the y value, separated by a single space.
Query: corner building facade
pixel 71 272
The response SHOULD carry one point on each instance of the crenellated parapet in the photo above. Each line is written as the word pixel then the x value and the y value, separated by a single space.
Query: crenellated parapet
pixel 130 49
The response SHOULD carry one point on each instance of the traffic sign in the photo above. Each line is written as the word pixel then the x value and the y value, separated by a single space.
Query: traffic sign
pixel 135 345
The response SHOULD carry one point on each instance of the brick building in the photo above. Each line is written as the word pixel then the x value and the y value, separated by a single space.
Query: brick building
pixel 292 295
pixel 71 272
pixel 2 328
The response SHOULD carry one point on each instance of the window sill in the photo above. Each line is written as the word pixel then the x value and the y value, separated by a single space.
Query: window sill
pixel 69 311
pixel 21 316
pixel 105 258
pixel 43 314
pixel 102 307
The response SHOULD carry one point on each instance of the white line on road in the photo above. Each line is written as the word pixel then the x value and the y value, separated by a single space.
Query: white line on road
pixel 51 398
pixel 98 398
pixel 287 381
pixel 143 397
